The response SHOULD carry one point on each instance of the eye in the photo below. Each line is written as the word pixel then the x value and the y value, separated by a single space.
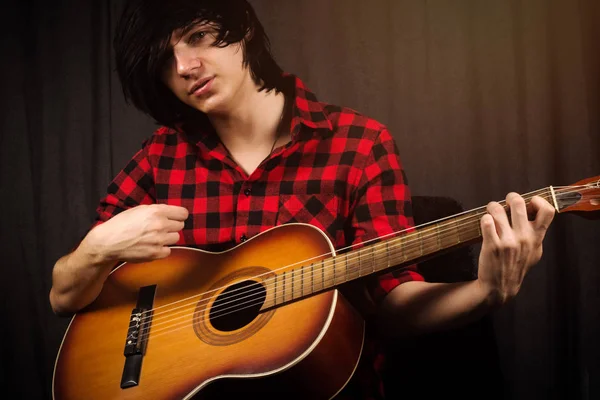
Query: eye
pixel 196 36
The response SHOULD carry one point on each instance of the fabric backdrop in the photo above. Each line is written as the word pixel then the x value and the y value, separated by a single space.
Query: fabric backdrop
pixel 483 97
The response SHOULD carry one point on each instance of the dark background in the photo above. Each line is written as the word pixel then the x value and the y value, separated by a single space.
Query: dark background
pixel 483 97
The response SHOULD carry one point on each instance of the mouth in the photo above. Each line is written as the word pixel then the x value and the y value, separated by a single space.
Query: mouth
pixel 200 86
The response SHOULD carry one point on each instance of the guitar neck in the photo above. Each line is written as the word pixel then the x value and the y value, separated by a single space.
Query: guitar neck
pixel 408 247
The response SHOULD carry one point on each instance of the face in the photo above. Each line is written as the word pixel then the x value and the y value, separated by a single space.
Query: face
pixel 208 78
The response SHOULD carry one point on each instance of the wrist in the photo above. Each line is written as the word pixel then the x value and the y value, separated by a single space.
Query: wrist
pixel 491 296
pixel 91 252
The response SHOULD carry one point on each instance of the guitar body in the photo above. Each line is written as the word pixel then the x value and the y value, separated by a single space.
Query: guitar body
pixel 305 349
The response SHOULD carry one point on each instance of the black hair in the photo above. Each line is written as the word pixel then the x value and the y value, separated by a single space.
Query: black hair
pixel 141 45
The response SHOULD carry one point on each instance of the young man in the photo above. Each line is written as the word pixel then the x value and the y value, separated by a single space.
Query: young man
pixel 244 147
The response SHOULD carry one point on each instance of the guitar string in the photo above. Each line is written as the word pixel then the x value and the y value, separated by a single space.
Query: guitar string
pixel 425 233
pixel 349 272
pixel 178 326
pixel 186 323
pixel 354 270
pixel 167 329
pixel 406 243
pixel 422 235
pixel 423 227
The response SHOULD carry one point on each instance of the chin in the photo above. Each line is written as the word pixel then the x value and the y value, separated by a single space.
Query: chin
pixel 206 105
pixel 212 105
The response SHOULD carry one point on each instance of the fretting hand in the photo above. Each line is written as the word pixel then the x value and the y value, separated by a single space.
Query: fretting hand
pixel 508 252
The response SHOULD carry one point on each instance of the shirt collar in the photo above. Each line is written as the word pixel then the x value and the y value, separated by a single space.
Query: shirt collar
pixel 308 110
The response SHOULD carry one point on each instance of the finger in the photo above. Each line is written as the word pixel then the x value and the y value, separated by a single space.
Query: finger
pixel 163 253
pixel 544 214
pixel 488 230
pixel 173 226
pixel 518 212
pixel 176 213
pixel 500 218
pixel 171 238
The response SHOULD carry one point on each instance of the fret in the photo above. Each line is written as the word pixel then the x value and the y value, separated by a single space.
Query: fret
pixel 456 236
pixel 323 275
pixel 300 285
pixel 474 229
pixel 293 283
pixel 284 290
pixel 387 250
pixel 334 268
pixel 275 291
pixel 312 277
pixel 359 263
pixel 434 240
pixel 340 278
pixel 373 259
pixel 430 240
pixel 301 273
pixel 350 267
pixel 463 232
pixel 411 246
pixel 346 270
pixel 403 244
pixel 342 275
pixel 302 282
pixel 468 230
pixel 447 238
pixel 345 273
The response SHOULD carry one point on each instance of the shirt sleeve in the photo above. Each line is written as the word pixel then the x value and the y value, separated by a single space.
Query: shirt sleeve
pixel 132 186
pixel 383 207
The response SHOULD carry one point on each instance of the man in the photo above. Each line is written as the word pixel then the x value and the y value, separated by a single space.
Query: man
pixel 244 147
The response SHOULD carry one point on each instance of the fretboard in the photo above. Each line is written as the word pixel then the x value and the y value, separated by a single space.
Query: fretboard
pixel 419 243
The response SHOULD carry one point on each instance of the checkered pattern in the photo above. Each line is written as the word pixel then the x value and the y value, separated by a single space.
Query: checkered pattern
pixel 341 172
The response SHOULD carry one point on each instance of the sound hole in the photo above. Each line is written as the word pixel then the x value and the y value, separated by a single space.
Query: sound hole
pixel 237 306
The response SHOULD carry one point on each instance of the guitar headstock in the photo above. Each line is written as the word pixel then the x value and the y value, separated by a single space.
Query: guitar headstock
pixel 581 198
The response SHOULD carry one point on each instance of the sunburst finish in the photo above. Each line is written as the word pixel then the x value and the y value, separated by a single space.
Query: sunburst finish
pixel 182 359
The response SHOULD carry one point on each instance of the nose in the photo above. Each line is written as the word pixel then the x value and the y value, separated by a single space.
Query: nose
pixel 187 63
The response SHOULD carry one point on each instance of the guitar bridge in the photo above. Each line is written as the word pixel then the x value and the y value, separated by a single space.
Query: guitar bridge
pixel 137 337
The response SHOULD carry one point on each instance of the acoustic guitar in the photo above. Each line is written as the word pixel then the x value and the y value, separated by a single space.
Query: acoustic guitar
pixel 264 319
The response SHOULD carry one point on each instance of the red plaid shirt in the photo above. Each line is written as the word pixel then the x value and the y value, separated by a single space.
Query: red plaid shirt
pixel 340 172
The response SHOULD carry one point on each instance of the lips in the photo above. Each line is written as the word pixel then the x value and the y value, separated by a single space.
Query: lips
pixel 199 85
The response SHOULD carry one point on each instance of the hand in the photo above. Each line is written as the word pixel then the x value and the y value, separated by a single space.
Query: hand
pixel 508 252
pixel 139 234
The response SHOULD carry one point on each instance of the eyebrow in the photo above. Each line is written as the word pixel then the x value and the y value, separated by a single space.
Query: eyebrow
pixel 181 34
pixel 194 25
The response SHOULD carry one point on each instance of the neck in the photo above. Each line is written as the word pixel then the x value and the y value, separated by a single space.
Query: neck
pixel 253 121
pixel 413 245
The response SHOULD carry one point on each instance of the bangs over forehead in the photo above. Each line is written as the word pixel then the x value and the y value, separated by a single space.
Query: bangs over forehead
pixel 231 21
pixel 142 45
pixel 154 22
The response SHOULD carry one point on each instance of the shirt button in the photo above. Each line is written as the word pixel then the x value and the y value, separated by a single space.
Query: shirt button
pixel 243 238
pixel 247 192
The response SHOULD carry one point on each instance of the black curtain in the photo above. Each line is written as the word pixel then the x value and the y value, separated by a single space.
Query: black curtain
pixel 483 97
